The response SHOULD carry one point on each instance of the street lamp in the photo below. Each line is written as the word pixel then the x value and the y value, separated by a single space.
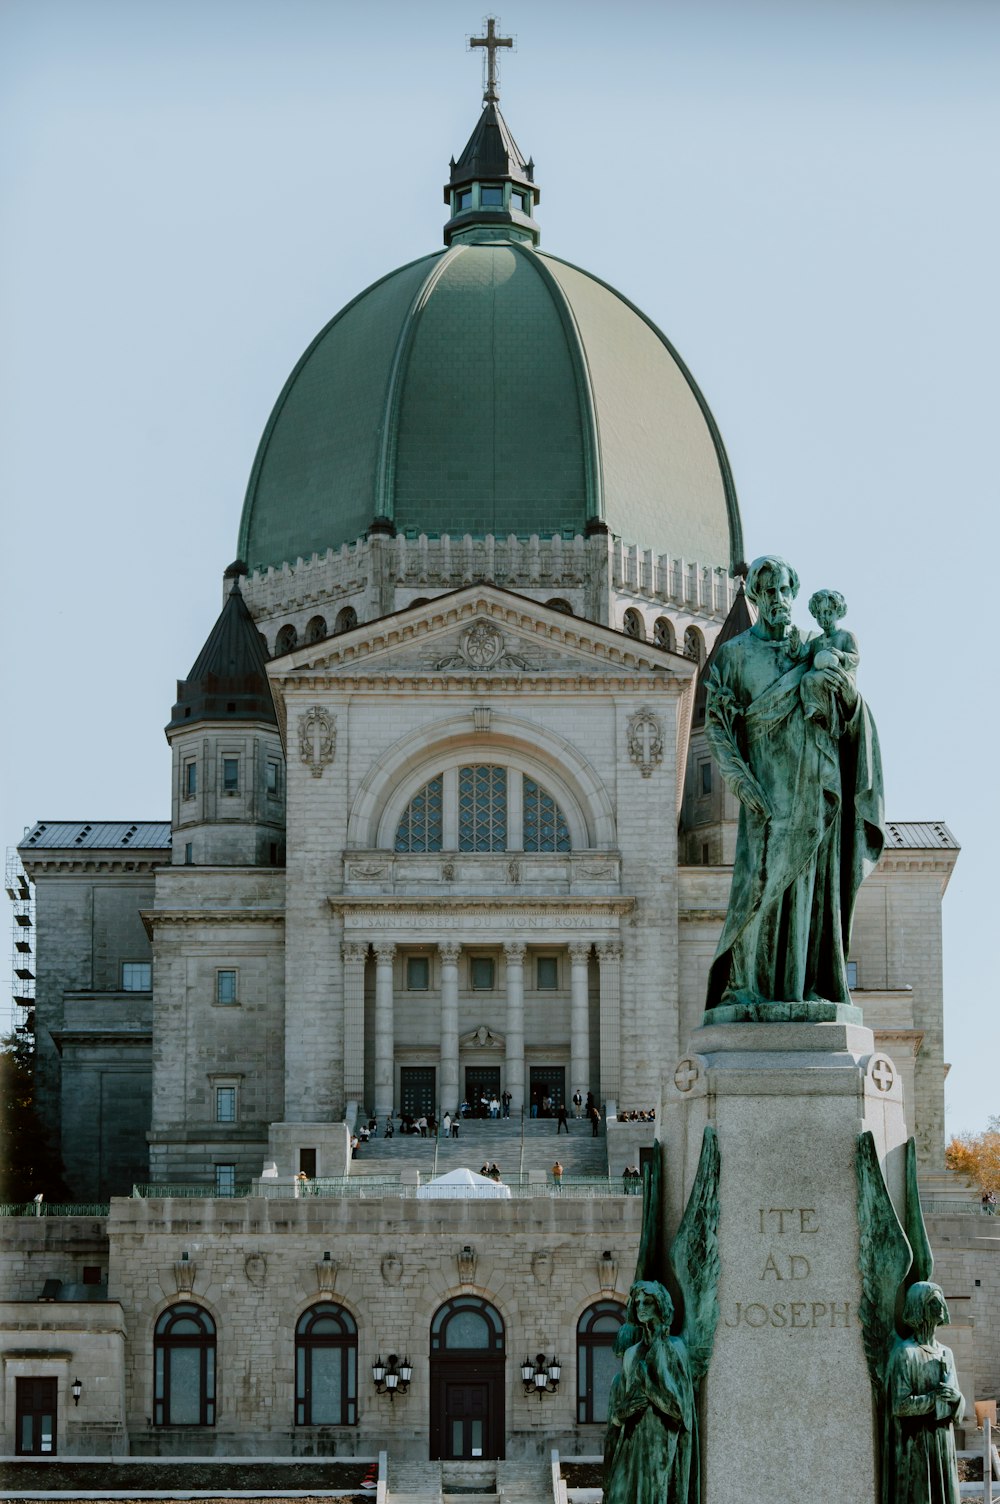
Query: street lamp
pixel 76 1391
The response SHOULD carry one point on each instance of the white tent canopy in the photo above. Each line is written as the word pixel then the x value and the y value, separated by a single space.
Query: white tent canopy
pixel 458 1183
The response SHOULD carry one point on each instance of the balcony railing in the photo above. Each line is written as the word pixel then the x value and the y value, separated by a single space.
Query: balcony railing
pixel 381 1187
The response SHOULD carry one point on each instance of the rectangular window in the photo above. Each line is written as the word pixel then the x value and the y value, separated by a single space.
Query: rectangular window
pixel 483 971
pixel 491 197
pixel 418 973
pixel 463 200
pixel 230 775
pixel 91 1274
pixel 190 779
pixel 547 973
pixel 225 1104
pixel 520 201
pixel 188 854
pixel 225 1181
pixel 705 776
pixel 852 974
pixel 225 986
pixel 273 777
pixel 137 976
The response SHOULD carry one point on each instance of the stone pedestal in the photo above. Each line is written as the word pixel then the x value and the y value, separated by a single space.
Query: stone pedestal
pixel 787 1399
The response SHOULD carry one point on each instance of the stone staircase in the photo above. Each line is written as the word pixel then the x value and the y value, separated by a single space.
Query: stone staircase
pixel 486 1140
pixel 503 1482
pixel 413 1482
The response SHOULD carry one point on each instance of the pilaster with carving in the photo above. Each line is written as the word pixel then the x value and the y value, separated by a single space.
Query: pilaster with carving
pixel 385 952
pixel 579 1017
pixel 609 961
pixel 514 953
pixel 354 954
pixel 448 1092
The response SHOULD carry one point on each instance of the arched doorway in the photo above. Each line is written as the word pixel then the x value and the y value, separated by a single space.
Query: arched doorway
pixel 467 1380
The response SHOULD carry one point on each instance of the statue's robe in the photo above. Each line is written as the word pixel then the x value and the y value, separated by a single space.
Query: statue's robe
pixel 652 1450
pixel 796 874
pixel 919 1464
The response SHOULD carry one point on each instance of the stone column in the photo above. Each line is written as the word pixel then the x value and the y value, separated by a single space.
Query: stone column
pixel 384 1026
pixel 609 960
pixel 514 952
pixel 579 1019
pixel 354 954
pixel 448 1094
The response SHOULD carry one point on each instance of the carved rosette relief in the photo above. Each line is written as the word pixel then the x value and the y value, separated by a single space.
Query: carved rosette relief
pixel 481 647
pixel 317 738
pixel 645 740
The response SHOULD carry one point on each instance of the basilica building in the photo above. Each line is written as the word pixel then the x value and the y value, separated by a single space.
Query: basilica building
pixel 443 828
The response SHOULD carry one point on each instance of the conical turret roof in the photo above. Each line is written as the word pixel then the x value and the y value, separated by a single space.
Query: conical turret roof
pixel 228 680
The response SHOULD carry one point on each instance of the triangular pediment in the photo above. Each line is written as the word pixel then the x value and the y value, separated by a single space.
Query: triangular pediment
pixel 479 632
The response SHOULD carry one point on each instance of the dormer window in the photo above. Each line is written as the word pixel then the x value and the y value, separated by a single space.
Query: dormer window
pixel 491 196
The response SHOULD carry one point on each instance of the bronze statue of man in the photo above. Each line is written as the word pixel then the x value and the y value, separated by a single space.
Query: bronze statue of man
pixel 810 789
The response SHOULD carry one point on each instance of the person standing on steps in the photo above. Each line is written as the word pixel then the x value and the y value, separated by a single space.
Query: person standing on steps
pixel 563 1119
pixel 595 1122
pixel 577 1104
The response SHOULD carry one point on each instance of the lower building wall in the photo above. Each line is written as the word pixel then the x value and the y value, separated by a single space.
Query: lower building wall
pixel 68 1341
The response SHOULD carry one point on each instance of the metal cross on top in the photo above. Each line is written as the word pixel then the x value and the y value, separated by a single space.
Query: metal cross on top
pixel 491 42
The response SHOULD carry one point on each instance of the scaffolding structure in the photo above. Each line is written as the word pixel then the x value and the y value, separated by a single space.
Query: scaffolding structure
pixel 22 965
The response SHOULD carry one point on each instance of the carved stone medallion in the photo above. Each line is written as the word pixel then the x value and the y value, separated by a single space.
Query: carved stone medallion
pixel 317 738
pixel 645 740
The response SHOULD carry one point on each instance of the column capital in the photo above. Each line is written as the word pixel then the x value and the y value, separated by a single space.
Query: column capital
pixel 384 950
pixel 449 951
pixel 514 950
pixel 354 950
pixel 579 951
pixel 609 950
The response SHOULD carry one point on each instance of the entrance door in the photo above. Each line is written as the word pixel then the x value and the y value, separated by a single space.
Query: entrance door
pixel 467 1421
pixel 481 1081
pixel 416 1090
pixel 467 1380
pixel 547 1081
pixel 36 1417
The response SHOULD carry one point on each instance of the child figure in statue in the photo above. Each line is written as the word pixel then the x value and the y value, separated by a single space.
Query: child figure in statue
pixel 833 648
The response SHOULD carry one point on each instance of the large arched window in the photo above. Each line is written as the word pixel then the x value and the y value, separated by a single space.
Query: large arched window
pixel 482 807
pixel 316 629
pixel 326 1367
pixel 286 640
pixel 347 619
pixel 184 1367
pixel 596 1363
pixel 467 1324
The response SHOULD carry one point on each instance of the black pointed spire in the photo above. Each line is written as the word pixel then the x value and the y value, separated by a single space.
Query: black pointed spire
pixel 491 189
pixel 228 679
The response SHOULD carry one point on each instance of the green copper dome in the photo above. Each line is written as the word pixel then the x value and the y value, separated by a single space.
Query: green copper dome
pixel 490 388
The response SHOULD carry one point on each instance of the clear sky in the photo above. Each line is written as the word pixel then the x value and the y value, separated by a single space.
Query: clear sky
pixel 803 195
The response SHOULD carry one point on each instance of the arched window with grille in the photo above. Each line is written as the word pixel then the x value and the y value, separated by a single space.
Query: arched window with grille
pixel 545 827
pixel 694 645
pixel 326 1367
pixel 596 1362
pixel 420 828
pixel 184 1367
pixel 316 629
pixel 633 624
pixel 347 618
pixel 664 635
pixel 286 640
pixel 482 807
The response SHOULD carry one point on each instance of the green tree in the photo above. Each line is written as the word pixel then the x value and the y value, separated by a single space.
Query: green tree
pixel 977 1155
pixel 28 1162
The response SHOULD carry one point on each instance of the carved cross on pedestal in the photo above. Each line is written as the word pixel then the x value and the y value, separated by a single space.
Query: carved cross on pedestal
pixel 883 1074
pixel 491 42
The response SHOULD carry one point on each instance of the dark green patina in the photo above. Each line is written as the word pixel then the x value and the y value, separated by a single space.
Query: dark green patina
pixel 913 1375
pixel 797 745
